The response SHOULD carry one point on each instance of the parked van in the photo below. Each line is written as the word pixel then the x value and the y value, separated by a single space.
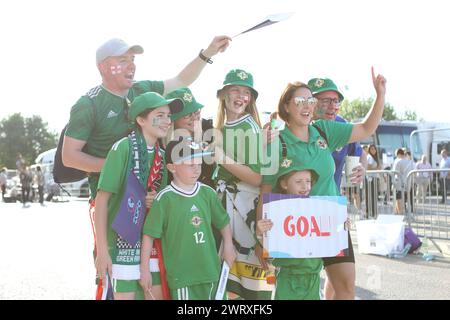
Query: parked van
pixel 75 189
pixel 46 157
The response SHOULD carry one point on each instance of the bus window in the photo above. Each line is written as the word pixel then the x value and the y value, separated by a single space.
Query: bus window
pixel 416 150
pixel 390 142
pixel 443 145
pixel 391 137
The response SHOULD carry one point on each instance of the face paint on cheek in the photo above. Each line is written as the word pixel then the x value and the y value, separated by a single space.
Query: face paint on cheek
pixel 243 98
pixel 246 99
pixel 116 70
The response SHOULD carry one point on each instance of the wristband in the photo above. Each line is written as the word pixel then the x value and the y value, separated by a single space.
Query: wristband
pixel 204 58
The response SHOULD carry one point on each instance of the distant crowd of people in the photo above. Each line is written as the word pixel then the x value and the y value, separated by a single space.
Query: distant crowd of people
pixel 27 178
pixel 407 193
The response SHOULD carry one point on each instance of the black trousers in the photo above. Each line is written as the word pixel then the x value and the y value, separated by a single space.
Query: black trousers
pixel 41 194
pixel 25 191
pixel 443 184
pixel 371 192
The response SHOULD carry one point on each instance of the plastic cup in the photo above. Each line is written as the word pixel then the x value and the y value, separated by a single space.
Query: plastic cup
pixel 350 163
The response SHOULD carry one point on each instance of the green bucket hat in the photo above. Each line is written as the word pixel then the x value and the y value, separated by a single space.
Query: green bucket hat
pixel 152 100
pixel 319 85
pixel 239 77
pixel 190 104
pixel 288 165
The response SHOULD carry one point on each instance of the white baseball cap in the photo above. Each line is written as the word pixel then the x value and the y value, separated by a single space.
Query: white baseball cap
pixel 115 47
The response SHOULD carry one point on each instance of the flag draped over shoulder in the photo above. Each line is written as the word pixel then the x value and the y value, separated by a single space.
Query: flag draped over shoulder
pixel 130 218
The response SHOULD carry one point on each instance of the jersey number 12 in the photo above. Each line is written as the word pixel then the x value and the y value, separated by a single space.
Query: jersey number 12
pixel 199 237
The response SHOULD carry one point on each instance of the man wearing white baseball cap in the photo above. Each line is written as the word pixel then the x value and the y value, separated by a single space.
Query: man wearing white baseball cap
pixel 100 117
pixel 116 47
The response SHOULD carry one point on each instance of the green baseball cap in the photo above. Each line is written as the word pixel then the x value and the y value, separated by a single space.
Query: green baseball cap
pixel 319 85
pixel 190 104
pixel 152 100
pixel 239 77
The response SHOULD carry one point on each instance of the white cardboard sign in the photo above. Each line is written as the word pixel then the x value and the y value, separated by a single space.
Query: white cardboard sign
pixel 310 227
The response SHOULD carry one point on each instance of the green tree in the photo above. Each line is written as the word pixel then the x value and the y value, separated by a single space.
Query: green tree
pixel 409 115
pixel 28 136
pixel 357 109
pixel 389 113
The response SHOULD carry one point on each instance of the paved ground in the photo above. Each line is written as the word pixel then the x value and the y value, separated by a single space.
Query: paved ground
pixel 46 253
pixel 402 279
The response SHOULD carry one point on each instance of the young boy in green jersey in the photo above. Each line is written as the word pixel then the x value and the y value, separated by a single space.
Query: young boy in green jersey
pixel 296 279
pixel 137 156
pixel 182 216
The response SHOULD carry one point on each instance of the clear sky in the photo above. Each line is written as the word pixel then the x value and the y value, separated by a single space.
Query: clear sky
pixel 48 49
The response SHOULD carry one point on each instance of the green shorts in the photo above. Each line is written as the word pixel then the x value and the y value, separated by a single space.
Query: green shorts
pixel 203 291
pixel 291 286
pixel 133 285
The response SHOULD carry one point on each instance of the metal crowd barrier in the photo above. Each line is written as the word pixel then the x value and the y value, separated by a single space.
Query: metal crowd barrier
pixel 429 212
pixel 422 199
pixel 376 195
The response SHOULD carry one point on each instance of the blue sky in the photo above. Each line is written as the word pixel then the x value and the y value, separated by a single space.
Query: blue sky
pixel 48 49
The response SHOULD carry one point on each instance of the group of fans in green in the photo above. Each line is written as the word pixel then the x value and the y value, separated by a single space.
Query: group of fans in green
pixel 203 181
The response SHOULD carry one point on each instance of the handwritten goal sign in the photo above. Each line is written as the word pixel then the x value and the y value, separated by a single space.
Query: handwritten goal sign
pixel 310 227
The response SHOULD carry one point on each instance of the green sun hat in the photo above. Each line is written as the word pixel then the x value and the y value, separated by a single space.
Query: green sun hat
pixel 152 100
pixel 239 77
pixel 319 85
pixel 190 104
pixel 288 165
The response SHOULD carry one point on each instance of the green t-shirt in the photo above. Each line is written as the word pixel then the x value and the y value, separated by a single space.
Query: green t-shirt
pixel 102 127
pixel 183 219
pixel 113 179
pixel 317 155
pixel 241 142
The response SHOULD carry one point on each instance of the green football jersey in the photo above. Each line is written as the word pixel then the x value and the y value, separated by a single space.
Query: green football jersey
pixel 105 124
pixel 113 179
pixel 183 219
pixel 241 142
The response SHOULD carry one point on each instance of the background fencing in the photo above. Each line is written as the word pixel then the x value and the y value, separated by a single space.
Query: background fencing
pixel 421 198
